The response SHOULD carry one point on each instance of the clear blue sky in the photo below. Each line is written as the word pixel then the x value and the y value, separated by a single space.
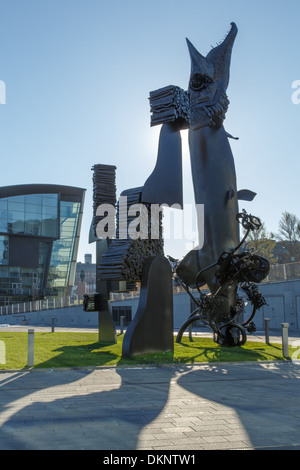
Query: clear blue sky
pixel 78 75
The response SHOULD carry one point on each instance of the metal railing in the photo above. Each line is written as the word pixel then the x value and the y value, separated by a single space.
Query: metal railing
pixel 278 272
pixel 38 305
pixel 283 272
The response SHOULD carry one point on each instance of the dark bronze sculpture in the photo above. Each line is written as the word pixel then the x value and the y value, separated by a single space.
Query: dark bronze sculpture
pixel 104 192
pixel 212 162
pixel 220 263
pixel 151 329
pixel 202 109
pixel 233 268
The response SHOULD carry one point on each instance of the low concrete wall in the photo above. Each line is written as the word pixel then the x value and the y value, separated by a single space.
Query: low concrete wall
pixel 68 316
pixel 283 306
pixel 181 304
pixel 283 299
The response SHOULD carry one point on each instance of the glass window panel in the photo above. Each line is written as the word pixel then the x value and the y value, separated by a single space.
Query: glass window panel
pixel 26 277
pixel 68 209
pixel 33 199
pixel 33 227
pixel 14 272
pixel 3 204
pixel 66 234
pixel 49 210
pixel 26 272
pixel 51 196
pixel 68 223
pixel 20 199
pixel 15 216
pixel 33 208
pixel 3 224
pixel 33 216
pixel 62 271
pixel 43 250
pixel 59 283
pixel 68 227
pixel 3 271
pixel 15 205
pixel 50 228
pixel 18 227
pixel 50 200
pixel 62 251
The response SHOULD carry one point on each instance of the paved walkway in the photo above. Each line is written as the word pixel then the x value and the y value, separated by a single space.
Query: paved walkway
pixel 199 407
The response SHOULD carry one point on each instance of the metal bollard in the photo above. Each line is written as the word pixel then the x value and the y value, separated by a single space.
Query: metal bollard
pixel 121 324
pixel 285 339
pixel 267 337
pixel 52 324
pixel 30 360
pixel 190 333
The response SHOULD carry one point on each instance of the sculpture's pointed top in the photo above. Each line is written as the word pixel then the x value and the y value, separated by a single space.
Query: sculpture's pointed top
pixel 217 62
pixel 220 56
pixel 199 63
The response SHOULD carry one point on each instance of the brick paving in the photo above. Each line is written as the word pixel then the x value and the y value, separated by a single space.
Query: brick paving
pixel 197 407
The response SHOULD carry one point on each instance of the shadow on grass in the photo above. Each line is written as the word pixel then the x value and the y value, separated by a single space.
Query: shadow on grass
pixel 200 350
pixel 94 354
pixel 206 350
pixel 56 352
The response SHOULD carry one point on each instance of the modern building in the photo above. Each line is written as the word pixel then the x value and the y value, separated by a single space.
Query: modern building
pixel 39 236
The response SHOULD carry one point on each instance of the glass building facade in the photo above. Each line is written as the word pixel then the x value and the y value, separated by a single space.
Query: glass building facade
pixel 39 236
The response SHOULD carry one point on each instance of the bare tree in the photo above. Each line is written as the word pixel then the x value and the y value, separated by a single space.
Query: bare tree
pixel 289 232
pixel 259 241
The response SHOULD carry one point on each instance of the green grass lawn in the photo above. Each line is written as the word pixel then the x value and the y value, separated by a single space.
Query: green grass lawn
pixel 69 349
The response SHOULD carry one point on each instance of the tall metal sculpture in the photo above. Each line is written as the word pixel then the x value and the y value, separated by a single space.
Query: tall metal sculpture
pixel 220 263
pixel 104 192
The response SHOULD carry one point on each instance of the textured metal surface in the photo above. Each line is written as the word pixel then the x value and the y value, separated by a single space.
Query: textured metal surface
pixel 234 267
pixel 164 185
pixel 212 164
pixel 126 256
pixel 106 328
pixel 151 329
pixel 104 192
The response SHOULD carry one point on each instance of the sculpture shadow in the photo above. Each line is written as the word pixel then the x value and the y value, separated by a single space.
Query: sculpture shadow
pixel 254 403
pixel 108 408
pixel 214 353
pixel 76 356
pixel 32 417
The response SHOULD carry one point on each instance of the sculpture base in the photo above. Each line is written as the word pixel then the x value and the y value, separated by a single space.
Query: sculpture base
pixel 106 328
pixel 151 329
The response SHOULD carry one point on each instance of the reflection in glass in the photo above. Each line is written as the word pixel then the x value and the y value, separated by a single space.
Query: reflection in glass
pixel 3 250
pixel 62 251
pixel 39 215
pixel 33 214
